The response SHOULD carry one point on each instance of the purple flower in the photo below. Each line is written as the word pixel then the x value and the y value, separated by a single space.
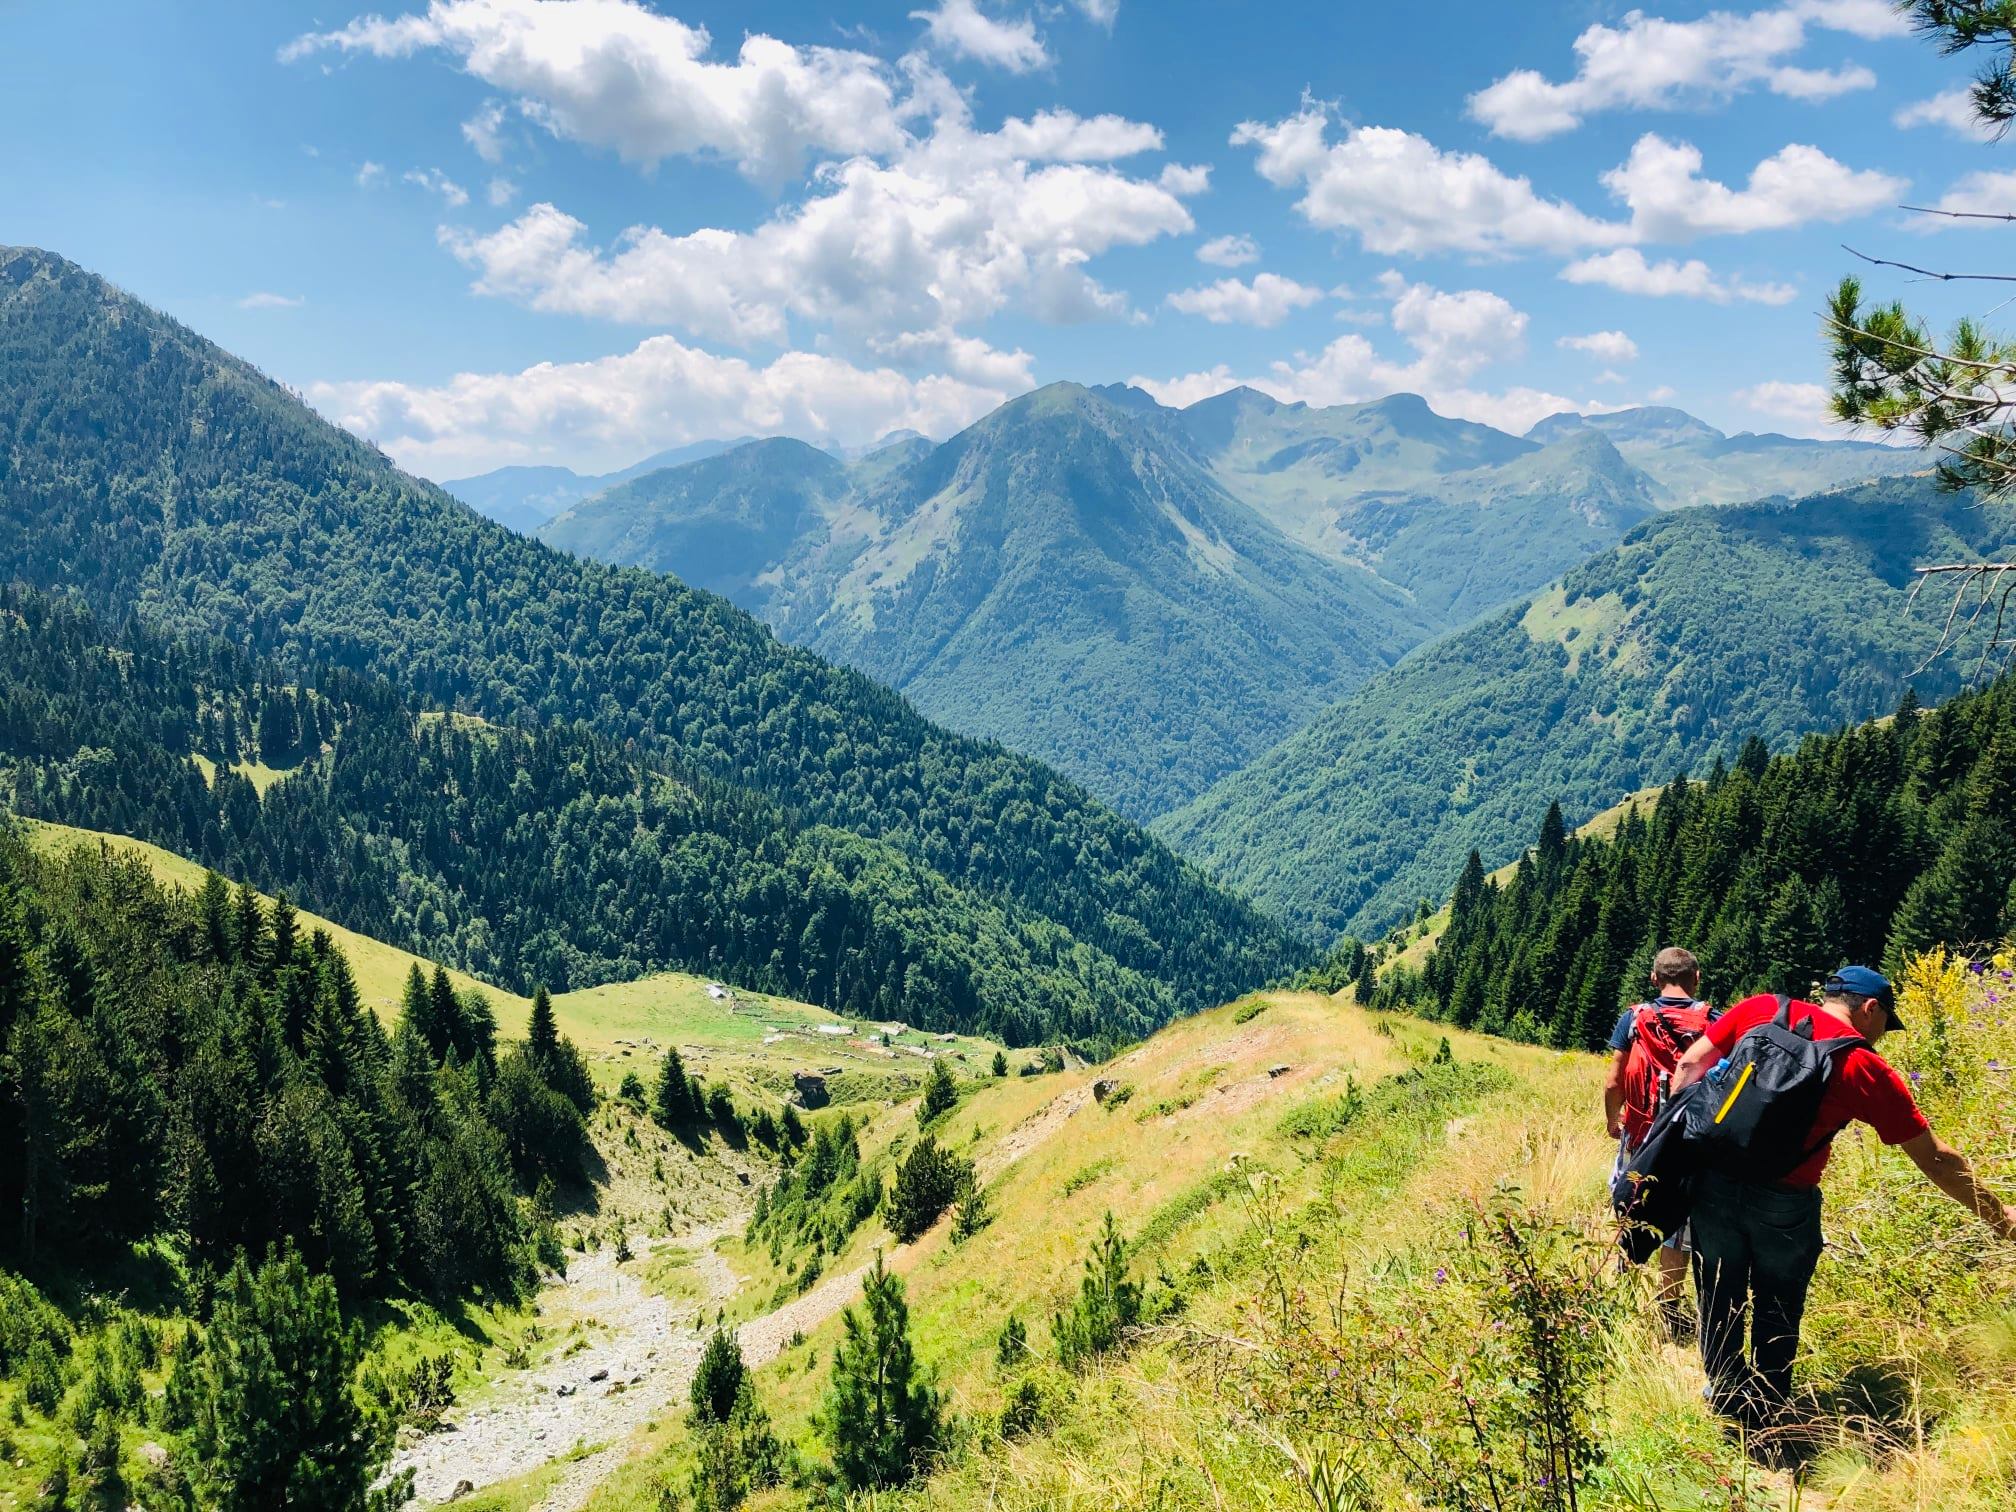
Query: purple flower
pixel 1914 1076
pixel 1978 967
pixel 1441 1274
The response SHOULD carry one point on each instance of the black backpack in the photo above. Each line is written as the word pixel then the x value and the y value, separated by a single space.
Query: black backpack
pixel 1755 1122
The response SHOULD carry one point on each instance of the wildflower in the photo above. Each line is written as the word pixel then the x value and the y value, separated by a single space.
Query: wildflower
pixel 1980 967
pixel 1442 1271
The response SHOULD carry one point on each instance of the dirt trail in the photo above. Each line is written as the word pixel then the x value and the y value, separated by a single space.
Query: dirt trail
pixel 644 1344
pixel 643 1347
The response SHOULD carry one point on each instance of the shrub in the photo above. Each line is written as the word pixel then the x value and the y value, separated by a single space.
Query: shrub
pixel 941 1094
pixel 718 1380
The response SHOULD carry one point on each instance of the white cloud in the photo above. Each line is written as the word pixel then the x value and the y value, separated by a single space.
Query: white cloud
pixel 961 28
pixel 1400 193
pixel 1799 409
pixel 1267 301
pixel 1950 108
pixel 606 412
pixel 501 191
pixel 265 301
pixel 1104 12
pixel 614 74
pixel 484 131
pixel 453 195
pixel 370 175
pixel 1975 194
pixel 957 228
pixel 1604 346
pixel 1661 182
pixel 1452 337
pixel 1628 271
pixel 1651 63
pixel 1229 251
pixel 1814 84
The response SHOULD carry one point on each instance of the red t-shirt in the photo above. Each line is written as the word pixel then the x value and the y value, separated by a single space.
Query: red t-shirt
pixel 1865 1088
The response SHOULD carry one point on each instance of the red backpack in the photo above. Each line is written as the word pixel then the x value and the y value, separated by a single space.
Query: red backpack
pixel 1660 1036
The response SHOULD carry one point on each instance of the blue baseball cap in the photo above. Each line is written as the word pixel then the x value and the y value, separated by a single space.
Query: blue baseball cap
pixel 1863 982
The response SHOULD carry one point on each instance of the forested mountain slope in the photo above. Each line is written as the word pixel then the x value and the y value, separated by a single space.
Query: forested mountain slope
pixel 1138 594
pixel 1705 628
pixel 1876 844
pixel 152 473
pixel 550 857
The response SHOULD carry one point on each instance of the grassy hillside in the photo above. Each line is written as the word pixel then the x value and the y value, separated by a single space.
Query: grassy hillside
pixel 151 473
pixel 1705 628
pixel 751 1040
pixel 1283 1225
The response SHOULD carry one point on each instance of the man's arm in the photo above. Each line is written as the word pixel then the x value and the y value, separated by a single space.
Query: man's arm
pixel 1694 1065
pixel 1953 1174
pixel 1613 1093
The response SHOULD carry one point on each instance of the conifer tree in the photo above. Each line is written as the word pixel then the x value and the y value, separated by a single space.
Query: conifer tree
pixel 542 1035
pixel 718 1379
pixel 882 1416
pixel 941 1093
pixel 1108 1302
pixel 281 1427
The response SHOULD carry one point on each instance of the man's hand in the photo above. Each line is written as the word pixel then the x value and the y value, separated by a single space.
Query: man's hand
pixel 2005 1225
pixel 1951 1172
pixel 1616 1128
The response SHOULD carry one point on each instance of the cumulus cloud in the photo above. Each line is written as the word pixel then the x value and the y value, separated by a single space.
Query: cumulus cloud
pixel 1976 194
pixel 1453 337
pixel 606 412
pixel 1799 409
pixel 1398 192
pixel 263 300
pixel 961 28
pixel 501 192
pixel 1951 108
pixel 1266 301
pixel 1629 272
pixel 1604 346
pixel 615 74
pixel 1651 63
pixel 1669 200
pixel 1229 251
pixel 958 227
pixel 1104 12
pixel 370 175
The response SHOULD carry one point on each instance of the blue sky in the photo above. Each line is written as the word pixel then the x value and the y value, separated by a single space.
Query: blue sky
pixel 488 231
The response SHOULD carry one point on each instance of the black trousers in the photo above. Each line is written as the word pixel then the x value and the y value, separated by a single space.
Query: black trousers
pixel 1754 1252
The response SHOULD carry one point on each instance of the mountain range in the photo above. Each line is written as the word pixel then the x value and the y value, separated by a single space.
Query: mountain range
pixel 151 474
pixel 1703 629
pixel 1148 597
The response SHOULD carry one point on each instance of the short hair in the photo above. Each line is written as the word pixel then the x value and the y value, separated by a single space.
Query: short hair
pixel 1676 966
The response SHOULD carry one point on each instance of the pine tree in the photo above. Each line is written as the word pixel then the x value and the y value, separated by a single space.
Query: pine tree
pixel 1000 1066
pixel 926 1184
pixel 281 1427
pixel 542 1035
pixel 1108 1302
pixel 416 1010
pixel 718 1379
pixel 941 1093
pixel 672 1101
pixel 882 1417
pixel 213 909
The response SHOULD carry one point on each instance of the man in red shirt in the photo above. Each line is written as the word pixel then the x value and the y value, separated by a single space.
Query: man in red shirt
pixel 1755 1243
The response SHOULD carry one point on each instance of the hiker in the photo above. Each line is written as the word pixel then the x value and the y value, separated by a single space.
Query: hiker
pixel 1648 1042
pixel 1756 1241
